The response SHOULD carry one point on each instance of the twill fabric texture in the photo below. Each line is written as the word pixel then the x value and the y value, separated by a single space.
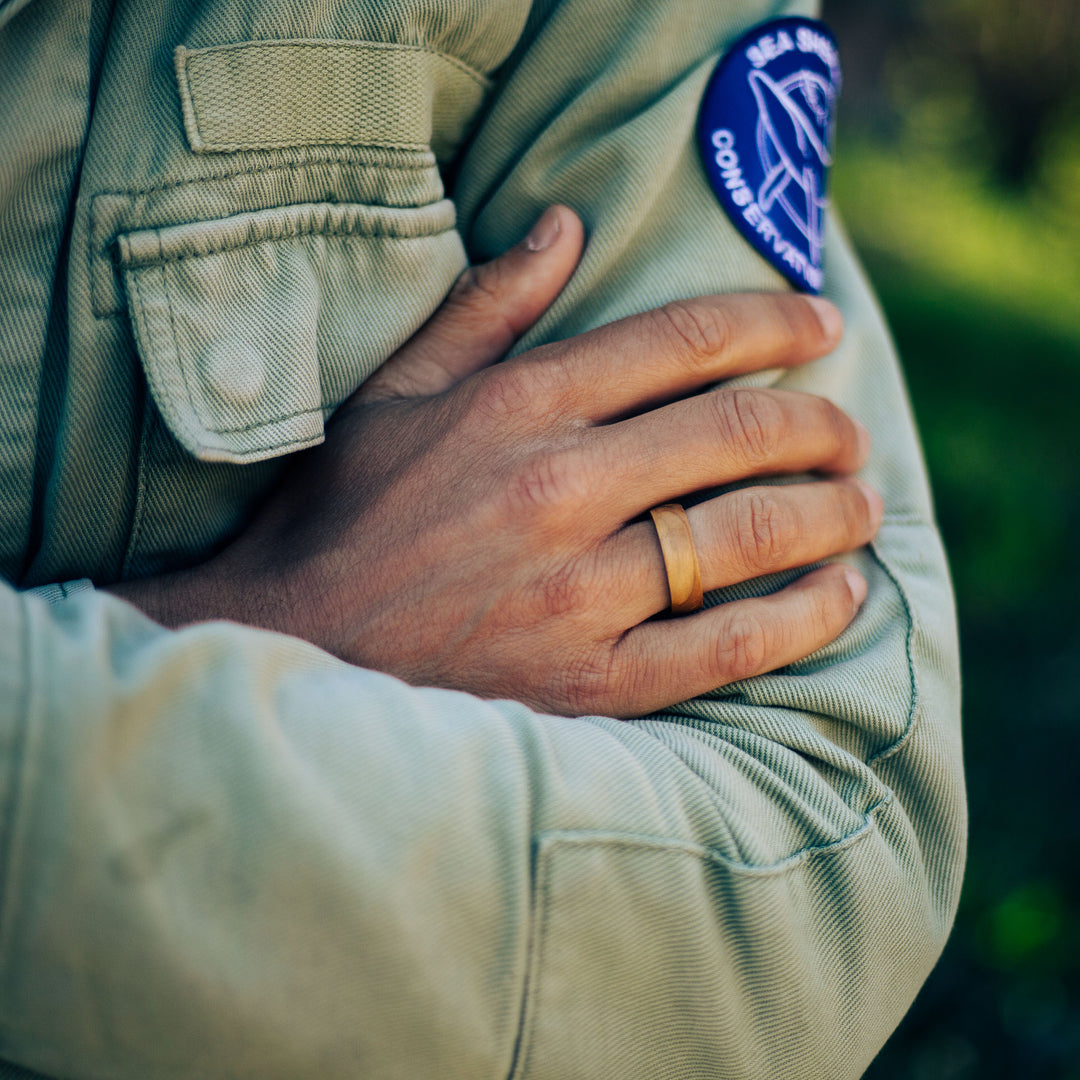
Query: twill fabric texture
pixel 224 853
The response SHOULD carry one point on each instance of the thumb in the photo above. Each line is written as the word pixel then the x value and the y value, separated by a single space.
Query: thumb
pixel 487 310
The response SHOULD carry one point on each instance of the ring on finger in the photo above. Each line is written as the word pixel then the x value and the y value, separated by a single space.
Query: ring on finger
pixel 680 557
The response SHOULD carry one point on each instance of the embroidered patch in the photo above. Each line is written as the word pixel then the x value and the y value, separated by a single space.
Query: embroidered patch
pixel 766 131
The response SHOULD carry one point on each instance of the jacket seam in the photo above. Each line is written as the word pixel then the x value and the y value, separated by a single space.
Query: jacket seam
pixel 276 419
pixel 285 166
pixel 98 249
pixel 907 519
pixel 909 647
pixel 16 776
pixel 643 841
pixel 301 231
pixel 149 411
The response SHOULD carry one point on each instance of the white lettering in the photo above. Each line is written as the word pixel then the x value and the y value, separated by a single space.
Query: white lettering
pixel 727 161
pixel 812 42
pixel 768 48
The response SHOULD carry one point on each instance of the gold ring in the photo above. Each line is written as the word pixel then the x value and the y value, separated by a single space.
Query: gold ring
pixel 680 557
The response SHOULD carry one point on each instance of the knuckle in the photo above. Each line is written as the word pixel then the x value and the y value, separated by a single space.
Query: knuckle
pixel 481 284
pixel 824 613
pixel 462 288
pixel 854 513
pixel 750 420
pixel 542 379
pixel 762 535
pixel 502 394
pixel 742 650
pixel 838 427
pixel 699 331
pixel 565 591
pixel 479 297
pixel 589 682
pixel 548 482
pixel 797 319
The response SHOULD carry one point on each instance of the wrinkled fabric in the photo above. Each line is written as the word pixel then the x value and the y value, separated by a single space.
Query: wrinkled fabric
pixel 224 853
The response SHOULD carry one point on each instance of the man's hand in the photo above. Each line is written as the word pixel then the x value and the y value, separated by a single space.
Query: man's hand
pixel 476 527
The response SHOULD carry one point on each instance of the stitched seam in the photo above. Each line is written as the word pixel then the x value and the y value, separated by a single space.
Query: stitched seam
pixel 256 170
pixel 16 774
pixel 307 440
pixel 906 519
pixel 97 252
pixel 540 911
pixel 633 841
pixel 258 425
pixel 142 496
pixel 353 46
pixel 376 233
pixel 142 329
pixel 630 842
pixel 913 678
pixel 887 751
pixel 226 147
pixel 909 649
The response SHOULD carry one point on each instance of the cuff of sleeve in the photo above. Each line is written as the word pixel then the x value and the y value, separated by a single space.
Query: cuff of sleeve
pixel 64 590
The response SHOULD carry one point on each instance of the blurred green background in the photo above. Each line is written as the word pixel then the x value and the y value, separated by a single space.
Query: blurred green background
pixel 958 174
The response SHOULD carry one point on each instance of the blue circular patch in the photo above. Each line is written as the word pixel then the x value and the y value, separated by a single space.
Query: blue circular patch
pixel 766 133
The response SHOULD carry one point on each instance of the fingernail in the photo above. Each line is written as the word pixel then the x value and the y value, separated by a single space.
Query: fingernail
pixel 832 322
pixel 856 584
pixel 873 497
pixel 863 436
pixel 542 235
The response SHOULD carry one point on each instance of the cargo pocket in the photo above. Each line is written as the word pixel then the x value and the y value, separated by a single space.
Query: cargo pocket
pixel 252 329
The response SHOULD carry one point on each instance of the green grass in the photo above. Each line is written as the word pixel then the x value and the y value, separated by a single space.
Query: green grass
pixel 1020 257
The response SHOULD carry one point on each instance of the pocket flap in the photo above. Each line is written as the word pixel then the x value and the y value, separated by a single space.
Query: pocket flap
pixel 251 329
pixel 260 95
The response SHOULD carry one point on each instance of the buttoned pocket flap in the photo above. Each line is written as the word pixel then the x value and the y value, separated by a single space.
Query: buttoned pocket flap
pixel 251 329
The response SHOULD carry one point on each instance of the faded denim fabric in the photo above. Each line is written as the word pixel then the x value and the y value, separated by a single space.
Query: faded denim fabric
pixel 224 853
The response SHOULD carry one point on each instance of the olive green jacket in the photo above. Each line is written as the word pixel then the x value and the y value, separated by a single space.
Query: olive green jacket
pixel 224 853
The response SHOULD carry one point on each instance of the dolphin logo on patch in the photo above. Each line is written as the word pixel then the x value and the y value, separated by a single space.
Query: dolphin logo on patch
pixel 765 132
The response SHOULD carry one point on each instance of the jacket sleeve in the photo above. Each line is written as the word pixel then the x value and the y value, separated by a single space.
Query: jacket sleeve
pixel 226 854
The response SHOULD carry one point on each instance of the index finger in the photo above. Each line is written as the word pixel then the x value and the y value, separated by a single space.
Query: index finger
pixel 670 351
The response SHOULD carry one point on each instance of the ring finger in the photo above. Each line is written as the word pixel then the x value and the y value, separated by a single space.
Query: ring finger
pixel 742 535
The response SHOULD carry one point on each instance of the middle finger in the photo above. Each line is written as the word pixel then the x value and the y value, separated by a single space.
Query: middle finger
pixel 718 438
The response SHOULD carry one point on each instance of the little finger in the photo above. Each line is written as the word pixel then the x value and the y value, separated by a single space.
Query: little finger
pixel 659 663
